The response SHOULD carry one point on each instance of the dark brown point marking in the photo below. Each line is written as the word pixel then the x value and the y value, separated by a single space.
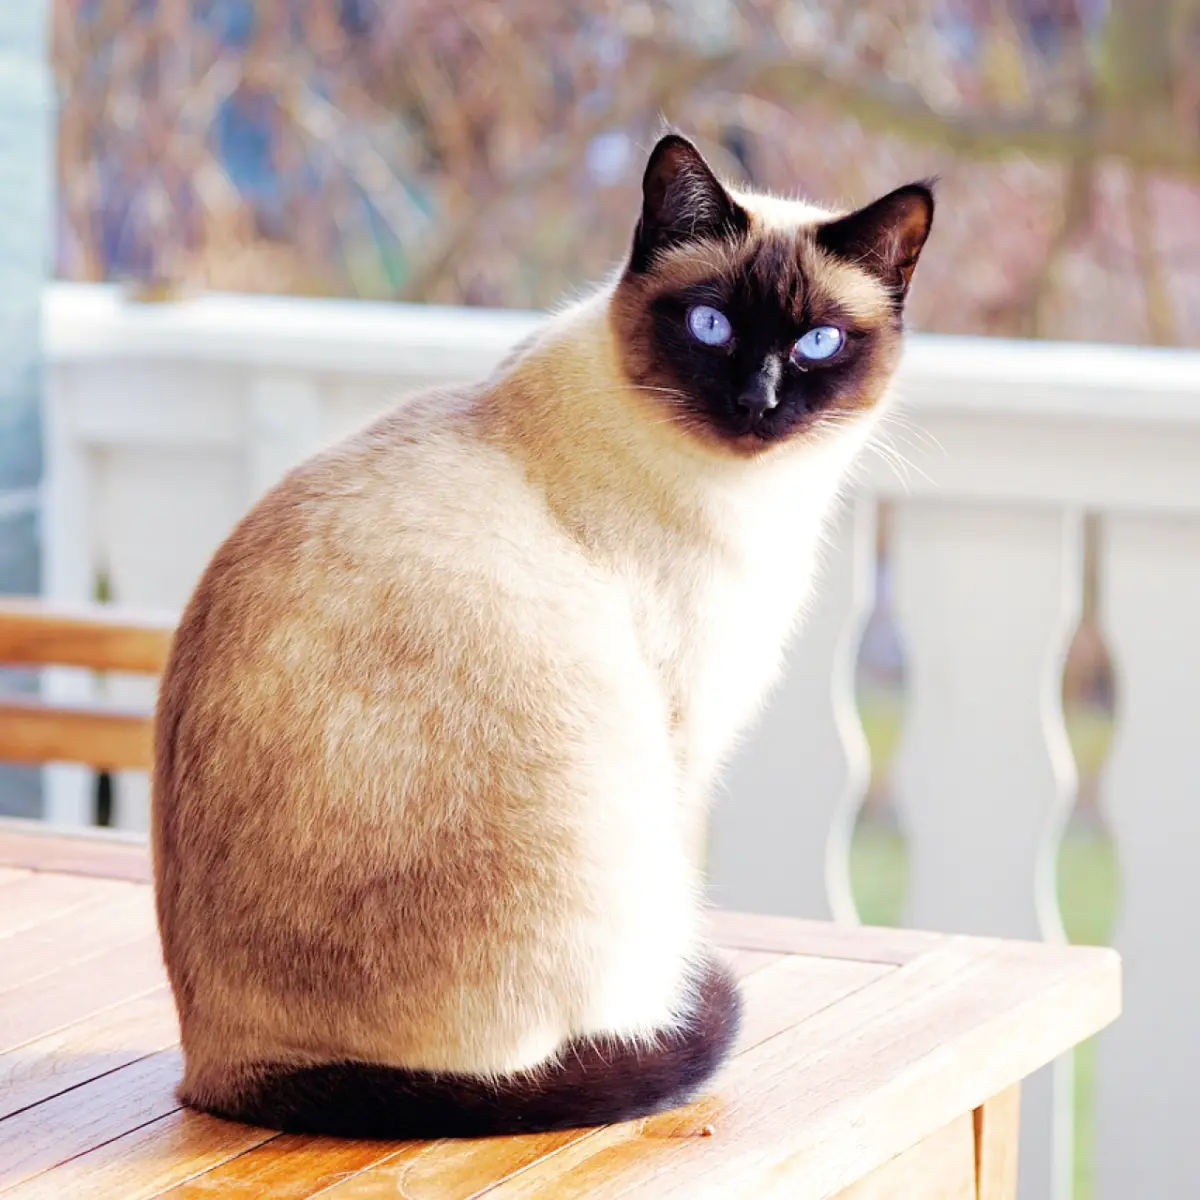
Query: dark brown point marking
pixel 696 244
pixel 592 1083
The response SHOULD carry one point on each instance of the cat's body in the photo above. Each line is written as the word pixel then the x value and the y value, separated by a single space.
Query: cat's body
pixel 438 731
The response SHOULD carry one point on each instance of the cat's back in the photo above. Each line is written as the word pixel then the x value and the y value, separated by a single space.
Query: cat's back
pixel 419 495
pixel 359 597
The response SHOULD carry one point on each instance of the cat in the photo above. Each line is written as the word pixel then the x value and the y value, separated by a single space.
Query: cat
pixel 435 739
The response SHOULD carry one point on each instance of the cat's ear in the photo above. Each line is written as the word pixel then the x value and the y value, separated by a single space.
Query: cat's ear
pixel 682 201
pixel 886 237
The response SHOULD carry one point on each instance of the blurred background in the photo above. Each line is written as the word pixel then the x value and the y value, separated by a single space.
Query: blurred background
pixel 488 154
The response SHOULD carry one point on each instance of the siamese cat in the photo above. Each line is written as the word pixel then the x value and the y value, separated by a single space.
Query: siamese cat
pixel 440 720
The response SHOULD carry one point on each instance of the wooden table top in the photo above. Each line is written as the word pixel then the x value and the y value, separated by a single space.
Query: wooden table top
pixel 858 1044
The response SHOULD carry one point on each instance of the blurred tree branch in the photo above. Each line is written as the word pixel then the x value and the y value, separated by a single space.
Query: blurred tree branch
pixel 553 161
pixel 1148 142
pixel 486 150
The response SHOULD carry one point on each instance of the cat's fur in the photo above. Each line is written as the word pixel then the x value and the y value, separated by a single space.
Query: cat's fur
pixel 439 723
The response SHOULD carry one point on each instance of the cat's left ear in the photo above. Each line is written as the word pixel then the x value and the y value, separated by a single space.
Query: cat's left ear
pixel 682 201
pixel 886 237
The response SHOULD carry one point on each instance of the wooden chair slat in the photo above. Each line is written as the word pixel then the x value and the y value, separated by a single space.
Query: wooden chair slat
pixel 108 738
pixel 34 633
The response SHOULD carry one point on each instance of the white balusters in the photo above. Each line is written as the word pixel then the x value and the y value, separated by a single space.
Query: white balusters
pixel 987 599
pixel 780 829
pixel 1149 1063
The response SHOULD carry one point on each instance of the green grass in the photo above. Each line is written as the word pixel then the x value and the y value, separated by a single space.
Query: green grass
pixel 878 872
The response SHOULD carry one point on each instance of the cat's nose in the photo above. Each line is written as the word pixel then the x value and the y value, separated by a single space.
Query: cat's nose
pixel 758 396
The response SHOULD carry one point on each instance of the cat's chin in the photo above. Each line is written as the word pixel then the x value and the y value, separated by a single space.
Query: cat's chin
pixel 763 441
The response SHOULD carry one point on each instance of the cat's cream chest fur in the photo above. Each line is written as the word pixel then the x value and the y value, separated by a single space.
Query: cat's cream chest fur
pixel 713 590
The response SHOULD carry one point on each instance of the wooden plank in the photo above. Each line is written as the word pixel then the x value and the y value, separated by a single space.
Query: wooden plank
pixel 84 635
pixel 290 1168
pixel 108 738
pixel 60 999
pixel 75 936
pixel 87 1049
pixel 941 1167
pixel 38 898
pixel 893 1062
pixel 795 988
pixel 792 935
pixel 36 1139
pixel 997 1134
pixel 144 1162
pixel 32 845
pixel 453 1169
pixel 746 962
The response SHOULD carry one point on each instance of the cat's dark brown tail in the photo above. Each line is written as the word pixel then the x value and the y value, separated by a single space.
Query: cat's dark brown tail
pixel 591 1084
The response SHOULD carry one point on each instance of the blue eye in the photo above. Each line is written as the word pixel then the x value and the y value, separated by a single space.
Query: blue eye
pixel 822 342
pixel 709 325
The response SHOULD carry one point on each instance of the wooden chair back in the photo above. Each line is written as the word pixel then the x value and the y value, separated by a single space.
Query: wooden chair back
pixel 38 730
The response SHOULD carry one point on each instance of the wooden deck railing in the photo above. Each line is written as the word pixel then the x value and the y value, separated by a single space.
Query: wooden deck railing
pixel 165 422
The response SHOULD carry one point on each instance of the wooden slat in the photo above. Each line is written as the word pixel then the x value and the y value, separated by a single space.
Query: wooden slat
pixel 795 988
pixel 454 1170
pixel 942 1167
pixel 75 936
pixel 997 1132
pixel 77 991
pixel 746 962
pixel 291 1168
pixel 791 935
pixel 893 1062
pixel 32 845
pixel 38 898
pixel 39 1138
pixel 101 638
pixel 91 1047
pixel 144 1162
pixel 107 738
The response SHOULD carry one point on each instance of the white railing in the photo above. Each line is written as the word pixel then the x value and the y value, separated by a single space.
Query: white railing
pixel 165 422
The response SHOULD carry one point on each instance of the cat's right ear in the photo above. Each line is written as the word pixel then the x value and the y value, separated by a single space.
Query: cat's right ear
pixel 682 201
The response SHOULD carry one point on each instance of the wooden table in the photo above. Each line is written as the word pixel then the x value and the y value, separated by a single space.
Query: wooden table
pixel 873 1064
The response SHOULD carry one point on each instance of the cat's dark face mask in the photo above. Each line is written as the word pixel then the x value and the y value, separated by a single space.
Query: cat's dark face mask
pixel 748 325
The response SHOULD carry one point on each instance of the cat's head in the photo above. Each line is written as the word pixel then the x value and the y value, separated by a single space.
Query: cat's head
pixel 751 322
